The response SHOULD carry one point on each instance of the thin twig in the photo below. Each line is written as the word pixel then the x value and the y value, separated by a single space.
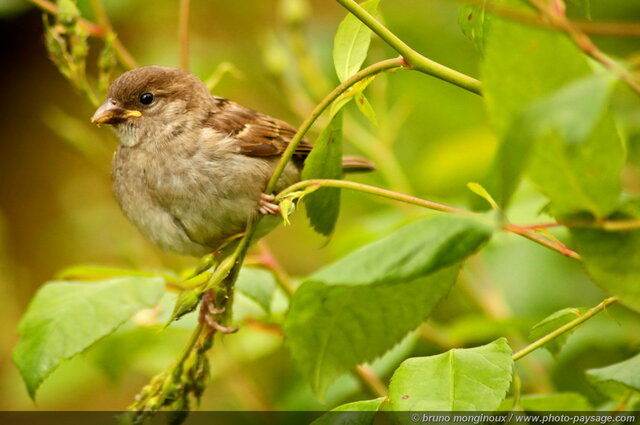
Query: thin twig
pixel 535 237
pixel 344 184
pixel 369 71
pixel 101 15
pixel 609 225
pixel 584 43
pixel 414 59
pixel 620 29
pixel 565 328
pixel 370 381
pixel 183 33
pixel 94 30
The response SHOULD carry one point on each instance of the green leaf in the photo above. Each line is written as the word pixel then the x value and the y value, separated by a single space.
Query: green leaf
pixel 612 259
pixel 325 162
pixel 524 64
pixel 535 88
pixel 617 378
pixel 573 111
pixel 365 107
pixel 559 402
pixel 476 328
pixel 584 177
pixel 115 356
pixel 351 42
pixel 550 324
pixel 331 329
pixel 566 402
pixel 458 380
pixel 355 91
pixel 356 413
pixel 187 302
pixel 330 326
pixel 474 22
pixel 577 156
pixel 258 285
pixel 414 250
pixel 90 272
pixel 65 318
pixel 483 193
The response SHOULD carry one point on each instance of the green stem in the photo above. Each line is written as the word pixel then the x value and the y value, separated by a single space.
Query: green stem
pixel 535 237
pixel 563 329
pixel 176 370
pixel 608 225
pixel 414 59
pixel 370 381
pixel 343 184
pixel 322 106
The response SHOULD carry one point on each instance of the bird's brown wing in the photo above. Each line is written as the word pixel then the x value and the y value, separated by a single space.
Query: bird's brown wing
pixel 257 134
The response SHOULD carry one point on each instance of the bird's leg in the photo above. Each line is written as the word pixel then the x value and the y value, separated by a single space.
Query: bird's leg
pixel 208 310
pixel 266 205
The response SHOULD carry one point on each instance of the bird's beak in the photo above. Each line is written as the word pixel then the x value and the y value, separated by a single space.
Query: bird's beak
pixel 111 113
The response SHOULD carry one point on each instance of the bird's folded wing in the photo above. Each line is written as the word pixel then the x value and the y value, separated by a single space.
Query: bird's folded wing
pixel 257 134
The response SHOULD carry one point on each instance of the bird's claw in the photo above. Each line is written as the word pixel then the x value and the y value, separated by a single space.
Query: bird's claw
pixel 214 310
pixel 218 327
pixel 266 205
pixel 208 310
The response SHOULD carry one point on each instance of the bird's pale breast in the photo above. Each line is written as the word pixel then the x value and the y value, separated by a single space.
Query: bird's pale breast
pixel 190 197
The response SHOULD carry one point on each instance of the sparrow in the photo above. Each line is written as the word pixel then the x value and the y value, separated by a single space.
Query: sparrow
pixel 191 168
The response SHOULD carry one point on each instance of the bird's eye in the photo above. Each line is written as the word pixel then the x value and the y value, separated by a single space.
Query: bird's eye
pixel 146 98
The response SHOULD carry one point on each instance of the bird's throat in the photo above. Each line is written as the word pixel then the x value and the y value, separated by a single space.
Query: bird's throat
pixel 128 134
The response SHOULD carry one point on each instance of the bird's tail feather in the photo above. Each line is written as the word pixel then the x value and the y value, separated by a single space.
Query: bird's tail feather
pixel 356 164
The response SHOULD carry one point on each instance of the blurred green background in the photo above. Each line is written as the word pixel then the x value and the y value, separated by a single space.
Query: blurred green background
pixel 56 207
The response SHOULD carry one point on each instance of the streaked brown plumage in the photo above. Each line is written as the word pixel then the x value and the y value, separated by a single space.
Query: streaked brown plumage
pixel 191 167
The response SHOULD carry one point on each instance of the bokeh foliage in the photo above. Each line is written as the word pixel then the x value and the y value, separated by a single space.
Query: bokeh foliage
pixel 430 139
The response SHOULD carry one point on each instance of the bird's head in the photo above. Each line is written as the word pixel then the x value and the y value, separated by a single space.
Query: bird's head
pixel 153 103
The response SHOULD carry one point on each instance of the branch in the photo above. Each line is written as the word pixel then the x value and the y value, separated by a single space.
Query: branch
pixel 126 59
pixel 606 224
pixel 554 244
pixel 563 329
pixel 559 20
pixel 183 33
pixel 373 190
pixel 414 59
pixel 187 374
pixel 369 71
pixel 370 381
pixel 623 29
